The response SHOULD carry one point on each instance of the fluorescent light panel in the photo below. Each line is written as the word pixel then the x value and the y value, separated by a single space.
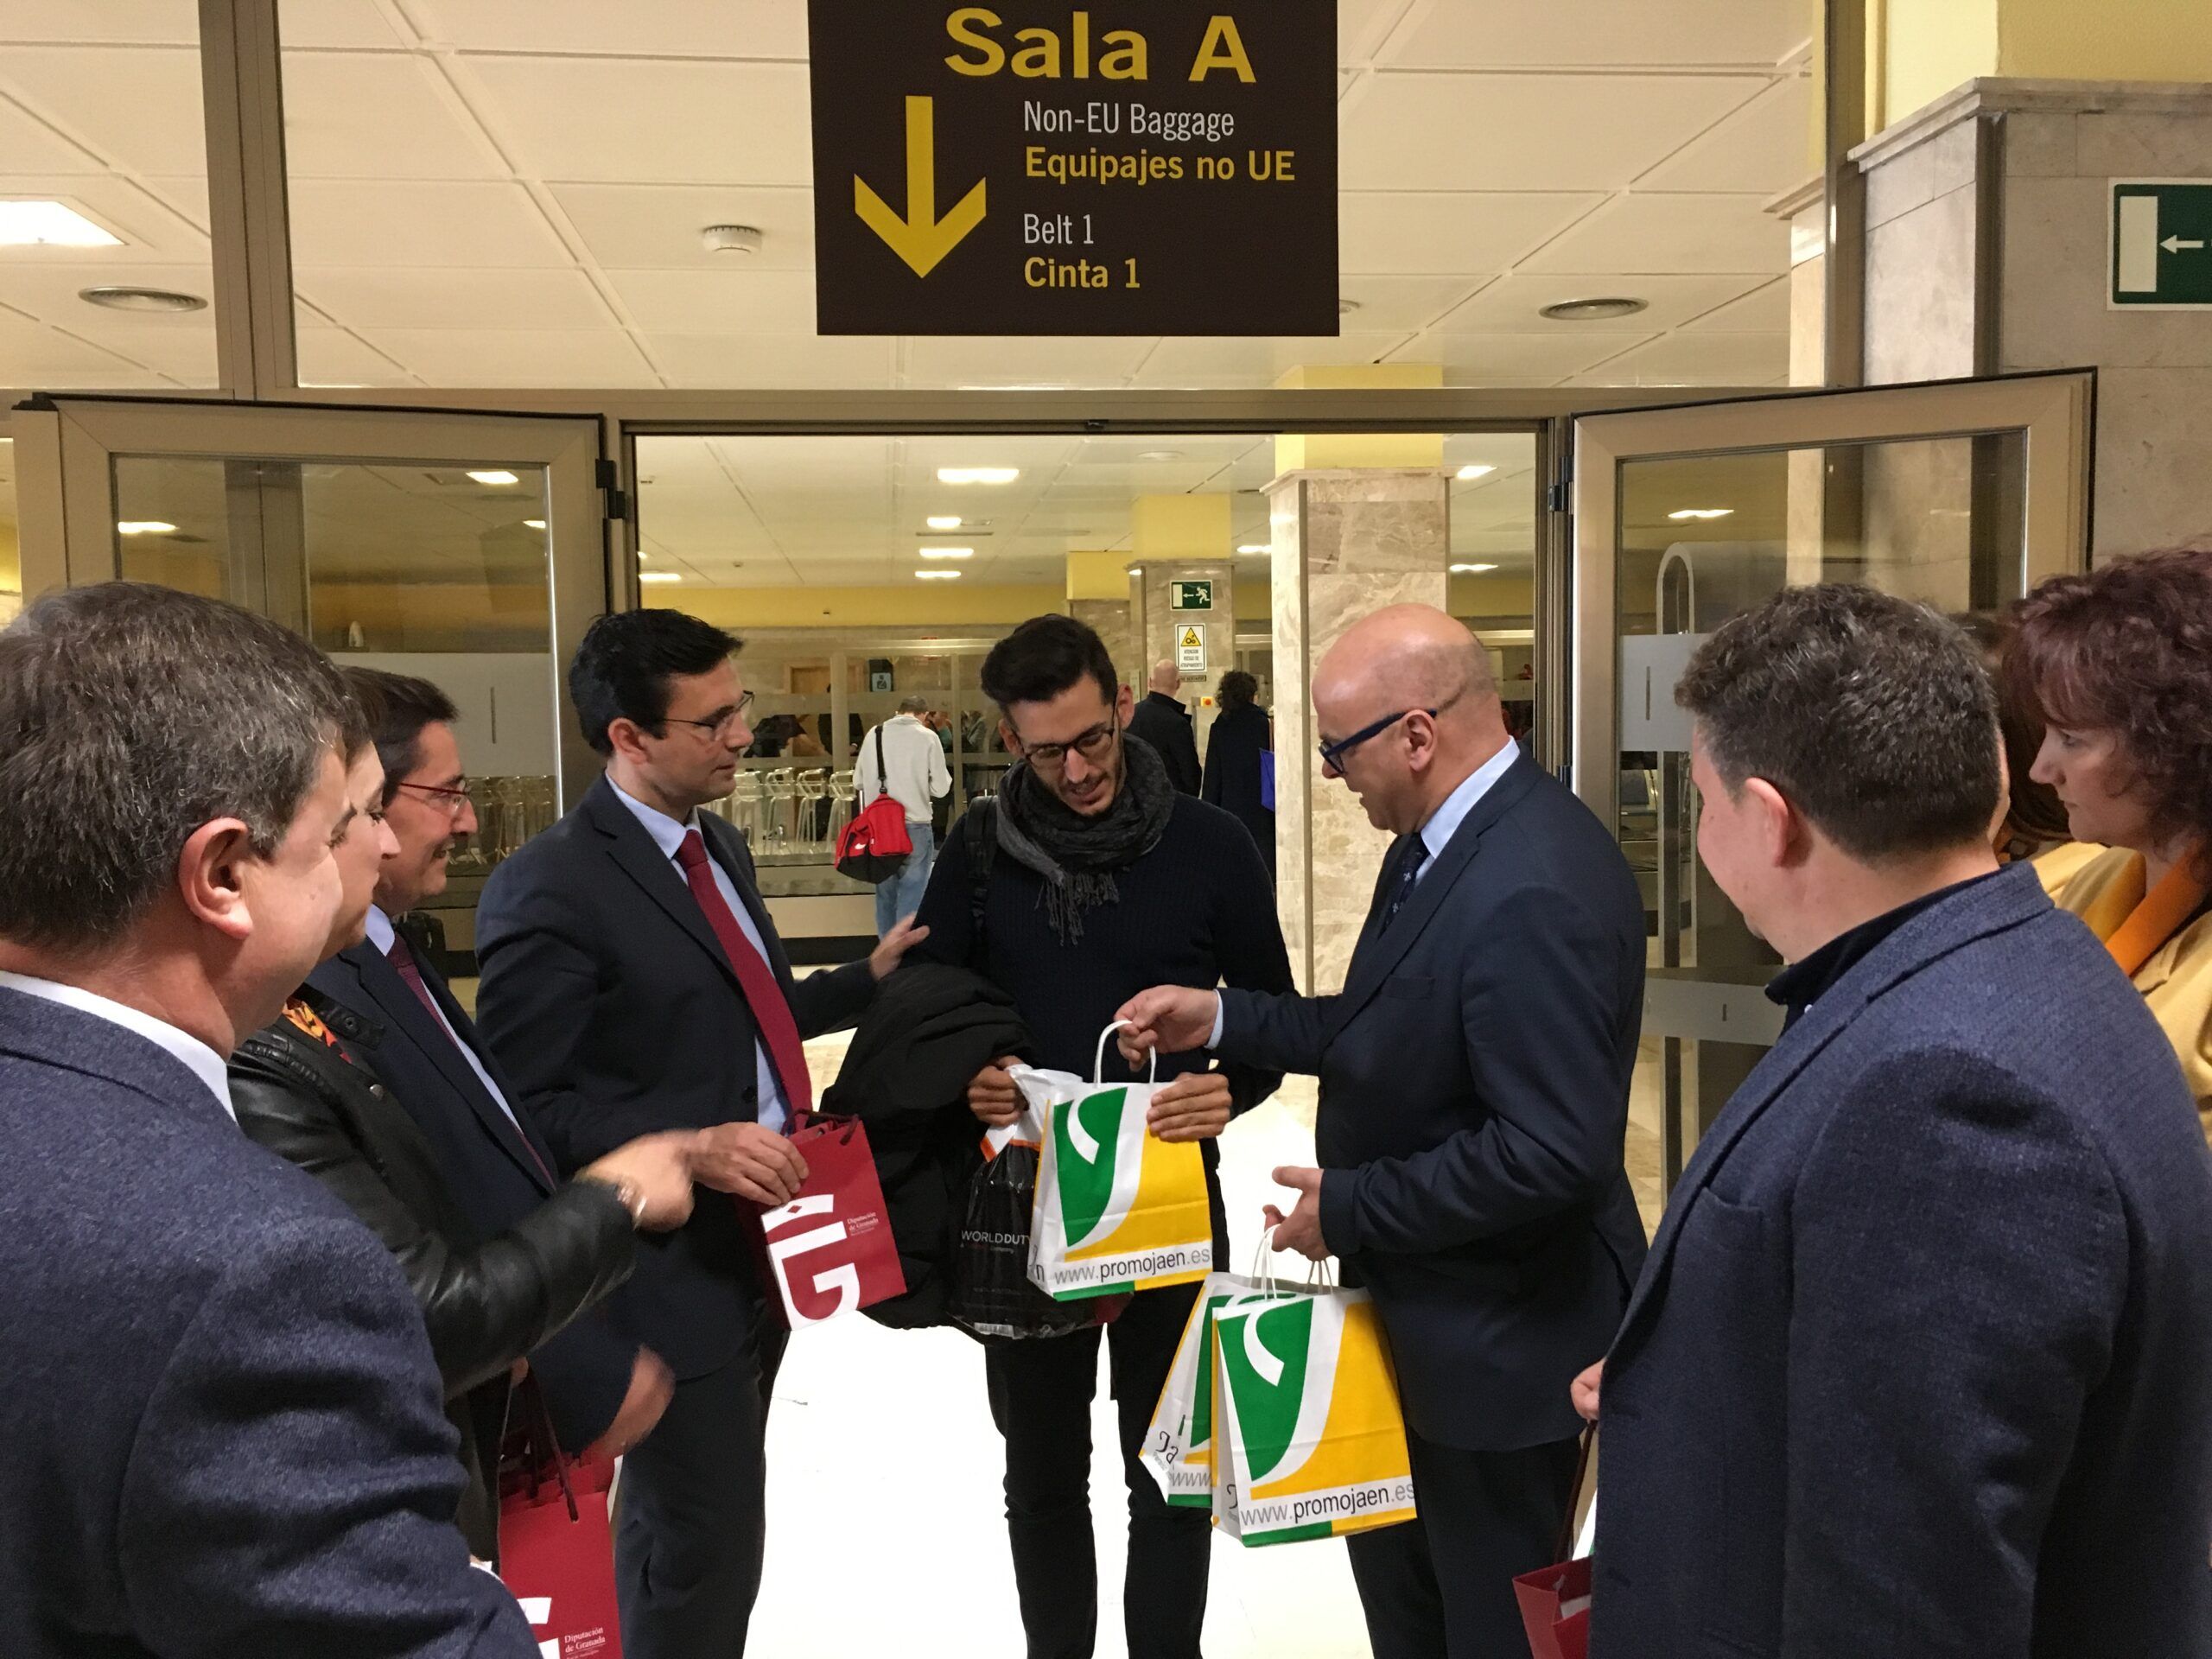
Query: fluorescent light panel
pixel 936 575
pixel 1702 513
pixel 658 576
pixel 50 224
pixel 1256 546
pixel 143 527
pixel 495 475
pixel 533 524
pixel 1467 473
pixel 943 521
pixel 947 552
pixel 1470 569
pixel 977 475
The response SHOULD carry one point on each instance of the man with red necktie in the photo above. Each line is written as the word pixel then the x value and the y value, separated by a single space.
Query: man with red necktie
pixel 632 982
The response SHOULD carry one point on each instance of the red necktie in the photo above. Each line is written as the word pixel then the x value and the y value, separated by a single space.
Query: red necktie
pixel 402 961
pixel 771 1011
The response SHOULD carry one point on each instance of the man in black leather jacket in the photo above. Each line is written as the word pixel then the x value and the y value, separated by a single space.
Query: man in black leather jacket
pixel 306 1087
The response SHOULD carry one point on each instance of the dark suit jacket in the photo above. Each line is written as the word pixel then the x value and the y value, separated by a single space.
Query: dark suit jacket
pixel 1234 747
pixel 1166 724
pixel 494 1180
pixel 220 1412
pixel 1922 1361
pixel 1474 1098
pixel 610 1003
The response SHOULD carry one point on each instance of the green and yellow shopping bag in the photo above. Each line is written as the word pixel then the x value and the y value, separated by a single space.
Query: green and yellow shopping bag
pixel 1178 1443
pixel 1118 1208
pixel 1308 1438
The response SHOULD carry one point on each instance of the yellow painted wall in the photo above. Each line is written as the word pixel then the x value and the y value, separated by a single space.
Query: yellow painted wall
pixel 11 559
pixel 1926 48
pixel 921 604
pixel 1254 593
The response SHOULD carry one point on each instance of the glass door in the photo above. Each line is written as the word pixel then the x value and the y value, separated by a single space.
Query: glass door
pixel 468 549
pixel 1964 494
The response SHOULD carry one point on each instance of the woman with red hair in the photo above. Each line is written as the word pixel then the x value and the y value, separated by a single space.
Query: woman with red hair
pixel 2118 664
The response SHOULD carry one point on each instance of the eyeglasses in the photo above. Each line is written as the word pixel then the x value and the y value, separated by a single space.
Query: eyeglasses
pixel 1332 754
pixel 719 723
pixel 1093 745
pixel 454 797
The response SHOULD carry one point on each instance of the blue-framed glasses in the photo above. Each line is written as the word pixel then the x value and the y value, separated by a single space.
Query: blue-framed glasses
pixel 1332 754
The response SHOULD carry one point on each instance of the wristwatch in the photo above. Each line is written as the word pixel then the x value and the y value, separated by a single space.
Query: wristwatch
pixel 631 1195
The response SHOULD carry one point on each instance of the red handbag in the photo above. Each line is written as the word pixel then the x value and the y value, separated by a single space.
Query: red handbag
pixel 874 847
pixel 830 1250
pixel 556 1550
pixel 1555 1601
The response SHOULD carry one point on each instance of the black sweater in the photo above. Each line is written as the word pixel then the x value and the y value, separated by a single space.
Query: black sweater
pixel 1196 910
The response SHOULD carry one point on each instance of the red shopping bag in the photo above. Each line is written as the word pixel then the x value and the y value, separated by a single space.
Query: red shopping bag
pixel 556 1556
pixel 1555 1601
pixel 830 1250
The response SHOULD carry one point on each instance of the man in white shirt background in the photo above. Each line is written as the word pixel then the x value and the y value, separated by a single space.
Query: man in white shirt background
pixel 903 759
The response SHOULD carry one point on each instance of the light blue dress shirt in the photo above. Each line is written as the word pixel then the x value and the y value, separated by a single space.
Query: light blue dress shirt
pixel 668 836
pixel 381 934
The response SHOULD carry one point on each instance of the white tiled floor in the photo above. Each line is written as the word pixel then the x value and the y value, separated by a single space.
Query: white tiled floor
pixel 886 1530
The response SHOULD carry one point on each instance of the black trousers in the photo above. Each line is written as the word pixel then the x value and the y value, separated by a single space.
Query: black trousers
pixel 1040 1398
pixel 1441 1587
pixel 692 1511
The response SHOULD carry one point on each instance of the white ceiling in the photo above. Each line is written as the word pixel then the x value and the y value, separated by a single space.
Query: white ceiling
pixel 509 192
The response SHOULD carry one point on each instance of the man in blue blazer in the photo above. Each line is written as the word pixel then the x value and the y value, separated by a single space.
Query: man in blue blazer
pixel 1919 1363
pixel 1474 1097
pixel 604 1391
pixel 219 1406
pixel 632 982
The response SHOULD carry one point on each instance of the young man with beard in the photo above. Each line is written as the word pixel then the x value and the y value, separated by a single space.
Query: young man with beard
pixel 1102 880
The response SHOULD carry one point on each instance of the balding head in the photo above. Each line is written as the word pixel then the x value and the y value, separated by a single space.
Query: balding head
pixel 1406 661
pixel 1166 678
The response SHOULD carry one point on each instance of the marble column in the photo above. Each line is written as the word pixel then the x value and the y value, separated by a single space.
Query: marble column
pixel 1109 619
pixel 1101 594
pixel 1346 543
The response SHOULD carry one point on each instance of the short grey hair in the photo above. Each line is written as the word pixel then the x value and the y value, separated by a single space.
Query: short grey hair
pixel 913 703
pixel 130 716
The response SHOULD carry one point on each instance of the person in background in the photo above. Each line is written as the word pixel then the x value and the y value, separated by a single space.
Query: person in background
pixel 632 982
pixel 2035 826
pixel 1241 734
pixel 903 757
pixel 307 1086
pixel 1098 879
pixel 2118 664
pixel 1917 1364
pixel 1474 1104
pixel 221 1410
pixel 1161 720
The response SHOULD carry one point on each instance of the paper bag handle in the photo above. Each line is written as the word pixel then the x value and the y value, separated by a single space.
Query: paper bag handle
pixel 1566 1533
pixel 1098 1059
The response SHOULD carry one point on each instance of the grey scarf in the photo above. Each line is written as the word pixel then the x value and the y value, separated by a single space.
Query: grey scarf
pixel 1077 855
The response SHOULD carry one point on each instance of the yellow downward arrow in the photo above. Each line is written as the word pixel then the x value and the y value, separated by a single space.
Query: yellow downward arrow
pixel 921 238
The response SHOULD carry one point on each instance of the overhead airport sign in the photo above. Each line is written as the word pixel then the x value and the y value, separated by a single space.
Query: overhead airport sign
pixel 2161 244
pixel 1121 167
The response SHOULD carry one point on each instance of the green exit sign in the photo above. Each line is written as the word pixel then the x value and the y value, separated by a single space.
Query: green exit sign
pixel 2161 244
pixel 1190 596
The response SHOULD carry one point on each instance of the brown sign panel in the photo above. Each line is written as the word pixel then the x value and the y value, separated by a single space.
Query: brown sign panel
pixel 1125 166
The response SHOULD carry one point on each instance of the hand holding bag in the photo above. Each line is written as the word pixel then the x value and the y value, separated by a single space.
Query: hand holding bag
pixel 830 1250
pixel 874 847
pixel 556 1553
pixel 1555 1601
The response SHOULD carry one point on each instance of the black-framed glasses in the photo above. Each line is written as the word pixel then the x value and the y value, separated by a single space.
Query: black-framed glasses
pixel 1332 754
pixel 1093 746
pixel 718 723
pixel 452 797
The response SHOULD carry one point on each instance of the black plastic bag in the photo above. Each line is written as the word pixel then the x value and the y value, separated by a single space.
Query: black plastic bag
pixel 992 1296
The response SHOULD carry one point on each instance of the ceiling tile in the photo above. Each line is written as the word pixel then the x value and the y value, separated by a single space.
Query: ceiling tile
pixel 152 234
pixel 1363 25
pixel 1459 232
pixel 656 227
pixel 49 292
pixel 370 297
pixel 156 129
pixel 1403 304
pixel 1230 360
pixel 731 301
pixel 704 29
pixel 33 356
pixel 1600 33
pixel 1511 304
pixel 1672 233
pixel 683 122
pixel 1709 360
pixel 1022 360
pixel 184 194
pixel 1474 359
pixel 1763 149
pixel 29 145
pixel 1763 311
pixel 504 357
pixel 770 360
pixel 351 115
pixel 422 222
pixel 1525 132
pixel 176 23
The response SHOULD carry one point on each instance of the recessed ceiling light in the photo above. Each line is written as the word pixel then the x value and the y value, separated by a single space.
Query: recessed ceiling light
pixel 1470 569
pixel 947 552
pixel 1466 472
pixel 977 475
pixel 1159 454
pixel 658 576
pixel 1598 310
pixel 730 239
pixel 1136 570
pixel 937 575
pixel 533 524
pixel 943 521
pixel 1346 308
pixel 1702 513
pixel 143 527
pixel 48 224
pixel 495 476
pixel 124 298
pixel 1257 547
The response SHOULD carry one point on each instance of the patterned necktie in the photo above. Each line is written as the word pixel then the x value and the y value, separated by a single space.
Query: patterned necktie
pixel 1408 874
pixel 772 1010
pixel 402 959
